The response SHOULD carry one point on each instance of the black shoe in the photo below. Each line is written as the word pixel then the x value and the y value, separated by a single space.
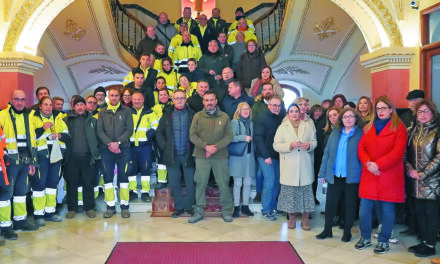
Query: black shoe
pixel 346 238
pixel 382 248
pixel 132 196
pixel 146 197
pixel 425 251
pixel 363 243
pixel 276 212
pixel 245 210
pixel 29 225
pixel 413 249
pixel 9 234
pixel 257 198
pixel 324 234
pixel 160 186
pixel 236 212
pixel 177 213
pixel 190 212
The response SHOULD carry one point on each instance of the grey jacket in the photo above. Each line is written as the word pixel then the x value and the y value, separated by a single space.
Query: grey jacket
pixel 115 127
pixel 165 33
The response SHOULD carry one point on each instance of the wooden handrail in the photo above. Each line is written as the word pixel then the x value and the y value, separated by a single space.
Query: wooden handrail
pixel 267 13
pixel 130 15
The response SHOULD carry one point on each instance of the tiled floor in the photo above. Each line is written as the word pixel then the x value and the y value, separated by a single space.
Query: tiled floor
pixel 84 240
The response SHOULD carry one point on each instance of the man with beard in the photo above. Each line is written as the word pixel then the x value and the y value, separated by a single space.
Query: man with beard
pixel 212 63
pixel 144 65
pixel 159 54
pixel 211 133
pixel 262 101
pixel 100 93
pixel 147 44
pixel 242 27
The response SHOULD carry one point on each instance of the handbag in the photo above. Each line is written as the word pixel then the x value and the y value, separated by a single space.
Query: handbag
pixel 237 148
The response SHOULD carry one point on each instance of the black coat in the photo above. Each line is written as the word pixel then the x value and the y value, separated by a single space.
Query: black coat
pixel 146 45
pixel 164 137
pixel 249 67
pixel 206 38
pixel 221 25
pixel 265 129
pixel 195 102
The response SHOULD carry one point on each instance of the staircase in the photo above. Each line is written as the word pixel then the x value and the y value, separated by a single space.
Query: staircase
pixel 131 30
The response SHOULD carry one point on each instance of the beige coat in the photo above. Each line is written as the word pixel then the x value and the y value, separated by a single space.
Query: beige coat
pixel 296 166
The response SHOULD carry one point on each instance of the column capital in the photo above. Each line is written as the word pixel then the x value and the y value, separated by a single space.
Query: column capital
pixel 20 62
pixel 388 58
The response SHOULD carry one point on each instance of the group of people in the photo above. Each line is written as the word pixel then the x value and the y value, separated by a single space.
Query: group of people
pixel 194 123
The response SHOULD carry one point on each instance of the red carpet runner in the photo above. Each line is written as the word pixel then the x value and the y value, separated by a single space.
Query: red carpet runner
pixel 204 253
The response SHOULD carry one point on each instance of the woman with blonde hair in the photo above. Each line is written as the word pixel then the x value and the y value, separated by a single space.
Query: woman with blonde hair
pixel 242 168
pixel 381 151
pixel 365 107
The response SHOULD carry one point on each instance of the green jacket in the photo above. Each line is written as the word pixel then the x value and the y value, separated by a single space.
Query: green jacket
pixel 115 127
pixel 211 130
pixel 92 139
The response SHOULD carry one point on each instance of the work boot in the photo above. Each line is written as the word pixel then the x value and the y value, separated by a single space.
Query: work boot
pixel 9 234
pixel 125 213
pixel 40 222
pixel 70 214
pixel 2 242
pixel 245 210
pixel 54 218
pixel 91 214
pixel 146 197
pixel 109 213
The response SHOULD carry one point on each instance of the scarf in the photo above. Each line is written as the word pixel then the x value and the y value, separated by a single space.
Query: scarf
pixel 380 124
pixel 247 124
pixel 256 90
pixel 113 108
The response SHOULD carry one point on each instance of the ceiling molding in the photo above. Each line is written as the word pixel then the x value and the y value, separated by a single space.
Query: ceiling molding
pixel 344 41
pixel 386 20
pixel 347 69
pixel 301 22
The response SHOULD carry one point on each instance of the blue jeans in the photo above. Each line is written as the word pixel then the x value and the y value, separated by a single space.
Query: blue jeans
pixel 271 184
pixel 385 211
pixel 259 179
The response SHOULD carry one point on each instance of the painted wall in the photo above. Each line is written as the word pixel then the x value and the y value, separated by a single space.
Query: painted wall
pixel 174 7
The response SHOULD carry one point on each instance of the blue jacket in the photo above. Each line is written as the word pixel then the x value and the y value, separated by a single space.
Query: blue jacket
pixel 230 104
pixel 354 166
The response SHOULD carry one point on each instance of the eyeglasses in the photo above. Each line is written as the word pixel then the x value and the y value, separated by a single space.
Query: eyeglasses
pixel 91 102
pixel 179 98
pixel 348 117
pixel 19 99
pixel 427 111
pixel 381 109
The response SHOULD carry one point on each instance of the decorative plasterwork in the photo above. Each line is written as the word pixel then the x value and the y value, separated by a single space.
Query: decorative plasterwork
pixel 106 70
pixel 291 70
pixel 398 8
pixel 6 9
pixel 301 22
pixel 20 62
pixel 325 29
pixel 387 21
pixel 388 58
pixel 18 24
pixel 74 30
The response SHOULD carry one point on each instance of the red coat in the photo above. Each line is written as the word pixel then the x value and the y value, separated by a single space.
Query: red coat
pixel 386 150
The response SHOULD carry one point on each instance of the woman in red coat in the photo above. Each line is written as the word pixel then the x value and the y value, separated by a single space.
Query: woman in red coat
pixel 381 151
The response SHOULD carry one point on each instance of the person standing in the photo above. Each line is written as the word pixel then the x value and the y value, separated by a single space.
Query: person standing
pixel 49 128
pixel 20 161
pixel 211 134
pixel 381 151
pixel 341 168
pixel 204 32
pixel 422 162
pixel 217 22
pixel 115 126
pixel 266 126
pixel 212 63
pixel 236 95
pixel 174 140
pixel 147 44
pixel 195 101
pixel 242 168
pixel 145 122
pixel 250 64
pixel 164 30
pixel 295 140
pixel 81 158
